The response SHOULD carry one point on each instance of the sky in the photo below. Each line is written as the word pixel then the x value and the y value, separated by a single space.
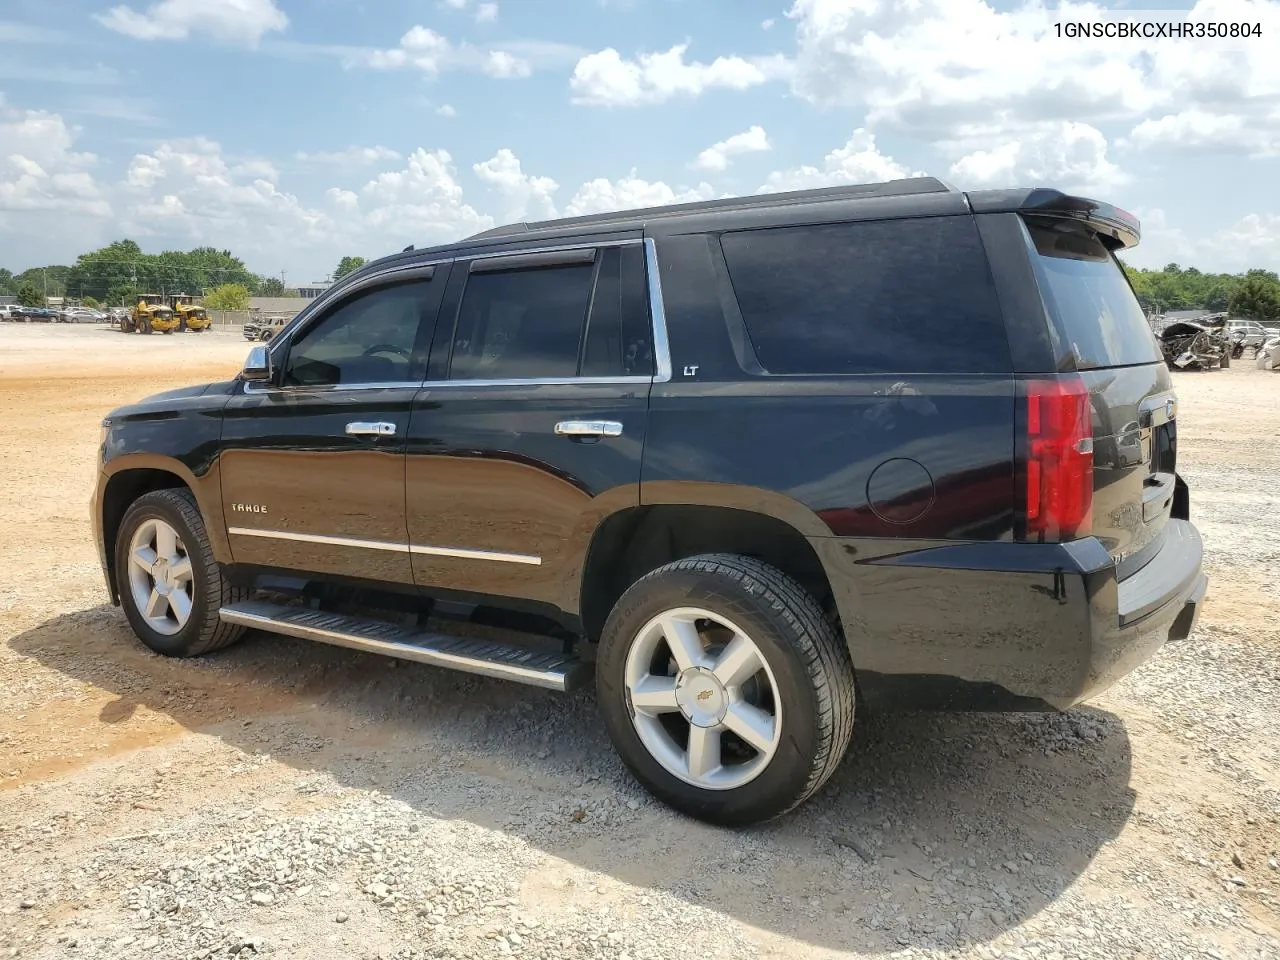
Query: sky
pixel 293 132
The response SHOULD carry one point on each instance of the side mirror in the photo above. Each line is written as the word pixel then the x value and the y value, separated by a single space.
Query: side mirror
pixel 257 367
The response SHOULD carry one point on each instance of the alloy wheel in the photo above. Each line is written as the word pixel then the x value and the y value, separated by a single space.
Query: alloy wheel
pixel 160 576
pixel 702 699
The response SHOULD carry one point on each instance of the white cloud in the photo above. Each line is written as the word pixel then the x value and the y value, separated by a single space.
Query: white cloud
pixel 430 52
pixel 932 67
pixel 185 190
pixel 447 110
pixel 858 161
pixel 525 196
pixel 1209 131
pixel 1069 155
pixel 1250 242
pixel 717 156
pixel 602 195
pixel 420 47
pixel 256 168
pixel 486 13
pixel 767 24
pixel 422 203
pixel 350 157
pixel 234 21
pixel 47 188
pixel 504 66
pixel 605 78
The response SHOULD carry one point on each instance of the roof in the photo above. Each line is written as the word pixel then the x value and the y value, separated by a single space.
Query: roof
pixel 627 218
pixel 915 196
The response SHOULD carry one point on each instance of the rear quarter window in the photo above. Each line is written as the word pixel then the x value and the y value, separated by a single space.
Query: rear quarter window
pixel 886 296
pixel 1091 305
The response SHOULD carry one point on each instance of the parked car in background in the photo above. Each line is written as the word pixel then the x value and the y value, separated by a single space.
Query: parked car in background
pixel 80 315
pixel 8 311
pixel 1245 333
pixel 265 328
pixel 36 314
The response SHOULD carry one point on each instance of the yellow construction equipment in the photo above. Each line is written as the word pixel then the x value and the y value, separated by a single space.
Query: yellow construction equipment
pixel 151 313
pixel 191 316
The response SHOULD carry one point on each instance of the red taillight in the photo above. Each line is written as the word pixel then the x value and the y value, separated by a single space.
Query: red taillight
pixel 1059 460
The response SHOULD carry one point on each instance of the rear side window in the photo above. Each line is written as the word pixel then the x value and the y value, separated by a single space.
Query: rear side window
pixel 522 324
pixel 907 296
pixel 1089 298
pixel 618 339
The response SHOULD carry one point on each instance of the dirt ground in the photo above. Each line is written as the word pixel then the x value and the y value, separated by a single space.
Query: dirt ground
pixel 313 802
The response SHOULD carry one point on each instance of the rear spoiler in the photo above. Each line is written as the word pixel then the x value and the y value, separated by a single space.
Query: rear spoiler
pixel 1118 226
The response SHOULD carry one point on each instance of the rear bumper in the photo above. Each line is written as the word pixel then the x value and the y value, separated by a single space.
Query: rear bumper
pixel 1007 626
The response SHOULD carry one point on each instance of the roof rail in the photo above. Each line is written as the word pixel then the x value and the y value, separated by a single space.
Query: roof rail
pixel 862 191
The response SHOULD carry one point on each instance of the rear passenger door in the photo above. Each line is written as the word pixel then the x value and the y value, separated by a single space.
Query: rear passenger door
pixel 532 422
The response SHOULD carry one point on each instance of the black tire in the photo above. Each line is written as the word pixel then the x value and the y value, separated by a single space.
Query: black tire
pixel 204 631
pixel 809 662
pixel 144 326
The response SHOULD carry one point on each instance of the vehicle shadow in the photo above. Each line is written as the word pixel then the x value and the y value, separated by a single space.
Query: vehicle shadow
pixel 938 830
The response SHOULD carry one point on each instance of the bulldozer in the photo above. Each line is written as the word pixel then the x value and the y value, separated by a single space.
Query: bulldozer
pixel 191 316
pixel 152 313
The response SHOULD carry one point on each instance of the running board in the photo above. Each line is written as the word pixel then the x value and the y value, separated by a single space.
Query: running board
pixel 489 658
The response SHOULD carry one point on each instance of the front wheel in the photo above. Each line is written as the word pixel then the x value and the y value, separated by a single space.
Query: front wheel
pixel 171 587
pixel 725 689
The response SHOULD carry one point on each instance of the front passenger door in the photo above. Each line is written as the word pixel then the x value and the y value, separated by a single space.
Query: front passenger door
pixel 312 466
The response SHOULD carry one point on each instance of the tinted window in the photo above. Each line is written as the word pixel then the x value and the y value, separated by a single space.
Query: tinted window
pixel 618 338
pixel 907 296
pixel 367 339
pixel 1089 298
pixel 521 324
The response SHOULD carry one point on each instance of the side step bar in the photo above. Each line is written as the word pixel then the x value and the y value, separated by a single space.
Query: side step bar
pixel 489 658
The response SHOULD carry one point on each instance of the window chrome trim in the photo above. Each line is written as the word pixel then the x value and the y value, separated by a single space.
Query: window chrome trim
pixel 456 552
pixel 657 315
pixel 540 382
pixel 249 387
pixel 657 325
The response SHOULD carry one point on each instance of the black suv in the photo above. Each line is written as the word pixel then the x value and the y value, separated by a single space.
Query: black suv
pixel 743 457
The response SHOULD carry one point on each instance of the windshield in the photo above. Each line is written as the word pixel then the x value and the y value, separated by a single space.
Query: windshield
pixel 1089 298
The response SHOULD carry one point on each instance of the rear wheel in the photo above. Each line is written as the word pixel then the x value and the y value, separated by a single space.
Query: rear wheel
pixel 725 689
pixel 171 588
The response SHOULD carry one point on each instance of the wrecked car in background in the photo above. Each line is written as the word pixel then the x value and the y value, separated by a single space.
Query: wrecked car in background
pixel 1202 345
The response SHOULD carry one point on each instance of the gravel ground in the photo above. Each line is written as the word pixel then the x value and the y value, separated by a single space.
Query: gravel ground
pixel 303 801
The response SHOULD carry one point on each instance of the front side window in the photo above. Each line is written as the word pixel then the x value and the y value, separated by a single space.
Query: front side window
pixel 369 338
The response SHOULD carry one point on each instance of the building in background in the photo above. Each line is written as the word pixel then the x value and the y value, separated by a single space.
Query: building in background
pixel 312 290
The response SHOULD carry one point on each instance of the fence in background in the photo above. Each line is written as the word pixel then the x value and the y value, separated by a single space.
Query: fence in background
pixel 224 319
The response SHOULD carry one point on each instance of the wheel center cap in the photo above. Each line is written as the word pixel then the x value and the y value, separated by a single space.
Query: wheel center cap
pixel 160 573
pixel 701 697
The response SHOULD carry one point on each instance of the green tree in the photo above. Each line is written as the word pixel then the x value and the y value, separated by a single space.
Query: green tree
pixel 347 265
pixel 228 296
pixel 92 303
pixel 6 281
pixel 29 295
pixel 271 287
pixel 1257 297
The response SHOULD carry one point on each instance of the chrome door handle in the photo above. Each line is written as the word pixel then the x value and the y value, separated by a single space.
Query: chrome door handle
pixel 588 428
pixel 364 429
